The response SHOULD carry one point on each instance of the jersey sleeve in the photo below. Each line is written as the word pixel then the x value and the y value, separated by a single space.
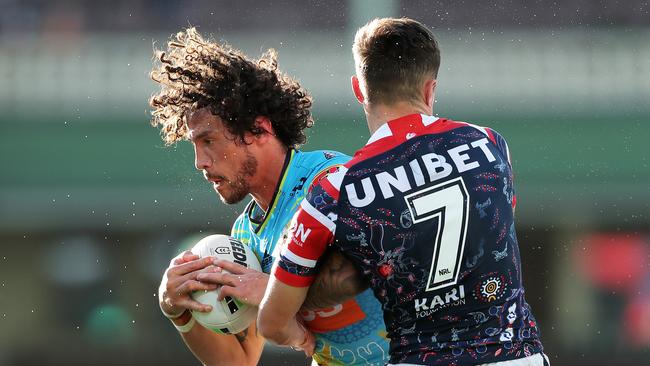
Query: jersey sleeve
pixel 502 144
pixel 311 231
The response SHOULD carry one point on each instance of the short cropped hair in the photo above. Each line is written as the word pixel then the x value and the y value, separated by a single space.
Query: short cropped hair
pixel 393 56
pixel 196 73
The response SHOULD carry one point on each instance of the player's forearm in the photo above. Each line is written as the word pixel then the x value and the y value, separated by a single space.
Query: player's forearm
pixel 276 318
pixel 337 281
pixel 214 349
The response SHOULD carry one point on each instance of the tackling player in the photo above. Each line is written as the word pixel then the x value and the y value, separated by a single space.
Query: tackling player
pixel 425 210
pixel 245 119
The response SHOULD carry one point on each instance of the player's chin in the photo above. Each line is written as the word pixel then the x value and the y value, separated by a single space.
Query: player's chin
pixel 230 197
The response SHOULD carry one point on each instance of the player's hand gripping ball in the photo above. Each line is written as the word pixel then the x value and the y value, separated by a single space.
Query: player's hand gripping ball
pixel 228 316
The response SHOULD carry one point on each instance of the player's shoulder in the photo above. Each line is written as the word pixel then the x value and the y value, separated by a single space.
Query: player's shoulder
pixel 446 125
pixel 313 165
pixel 321 157
pixel 493 135
pixel 487 131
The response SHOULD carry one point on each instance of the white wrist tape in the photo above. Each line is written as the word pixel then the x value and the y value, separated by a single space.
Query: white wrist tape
pixel 187 327
pixel 168 315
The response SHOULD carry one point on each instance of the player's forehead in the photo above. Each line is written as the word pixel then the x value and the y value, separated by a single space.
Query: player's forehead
pixel 201 122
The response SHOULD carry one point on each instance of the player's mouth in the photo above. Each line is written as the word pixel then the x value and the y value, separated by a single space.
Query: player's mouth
pixel 215 180
pixel 216 183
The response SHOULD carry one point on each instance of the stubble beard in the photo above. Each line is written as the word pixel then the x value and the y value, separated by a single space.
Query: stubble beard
pixel 239 187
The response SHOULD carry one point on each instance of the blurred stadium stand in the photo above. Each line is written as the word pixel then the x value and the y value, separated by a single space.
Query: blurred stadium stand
pixel 93 205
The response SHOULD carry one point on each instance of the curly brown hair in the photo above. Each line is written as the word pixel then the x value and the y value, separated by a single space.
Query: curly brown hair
pixel 196 73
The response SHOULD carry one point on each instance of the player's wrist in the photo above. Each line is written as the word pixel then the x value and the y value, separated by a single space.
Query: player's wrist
pixel 171 315
pixel 303 338
pixel 302 345
pixel 184 322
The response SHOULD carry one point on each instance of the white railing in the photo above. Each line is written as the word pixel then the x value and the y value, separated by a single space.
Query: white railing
pixel 530 71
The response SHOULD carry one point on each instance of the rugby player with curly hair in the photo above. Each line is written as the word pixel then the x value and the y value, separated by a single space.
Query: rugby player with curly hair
pixel 245 120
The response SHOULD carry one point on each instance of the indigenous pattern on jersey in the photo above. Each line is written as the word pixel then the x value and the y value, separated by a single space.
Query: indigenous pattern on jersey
pixel 425 209
pixel 352 333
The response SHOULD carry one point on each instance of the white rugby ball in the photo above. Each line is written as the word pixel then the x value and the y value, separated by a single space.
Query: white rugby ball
pixel 228 316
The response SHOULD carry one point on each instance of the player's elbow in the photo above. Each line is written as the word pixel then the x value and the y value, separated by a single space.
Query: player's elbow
pixel 271 327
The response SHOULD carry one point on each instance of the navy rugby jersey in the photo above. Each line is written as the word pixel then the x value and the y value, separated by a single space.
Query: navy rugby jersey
pixel 425 209
pixel 351 333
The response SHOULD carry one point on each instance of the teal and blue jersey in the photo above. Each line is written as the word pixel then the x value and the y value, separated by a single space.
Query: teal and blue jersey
pixel 352 333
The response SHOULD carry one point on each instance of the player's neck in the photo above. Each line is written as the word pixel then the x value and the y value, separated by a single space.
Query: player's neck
pixel 269 172
pixel 378 114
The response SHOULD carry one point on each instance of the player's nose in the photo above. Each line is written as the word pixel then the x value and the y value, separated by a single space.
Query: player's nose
pixel 202 161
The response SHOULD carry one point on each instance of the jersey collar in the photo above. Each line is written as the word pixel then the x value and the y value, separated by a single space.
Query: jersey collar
pixel 407 122
pixel 255 214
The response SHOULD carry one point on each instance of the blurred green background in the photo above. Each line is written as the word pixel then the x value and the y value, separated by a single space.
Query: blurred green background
pixel 93 205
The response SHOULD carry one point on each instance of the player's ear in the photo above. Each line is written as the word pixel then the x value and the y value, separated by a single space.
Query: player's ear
pixel 429 91
pixel 356 88
pixel 262 129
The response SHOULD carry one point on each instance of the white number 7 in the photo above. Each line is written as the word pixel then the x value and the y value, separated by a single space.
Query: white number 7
pixel 448 202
